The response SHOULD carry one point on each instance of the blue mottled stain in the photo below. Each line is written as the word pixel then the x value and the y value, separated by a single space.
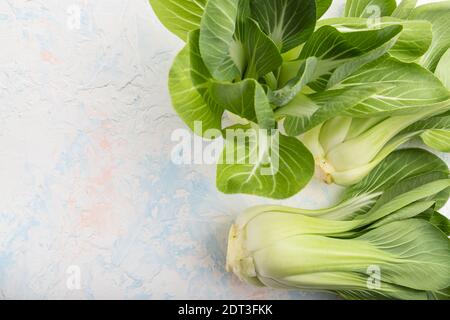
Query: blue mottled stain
pixel 74 153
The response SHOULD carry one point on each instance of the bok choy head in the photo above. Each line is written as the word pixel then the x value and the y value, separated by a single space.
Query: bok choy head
pixel 384 240
pixel 352 88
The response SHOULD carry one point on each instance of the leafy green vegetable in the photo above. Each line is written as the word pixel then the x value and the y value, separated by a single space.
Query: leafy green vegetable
pixel 217 43
pixel 179 16
pixel 442 69
pixel 413 42
pixel 333 48
pixel 324 105
pixel 246 99
pixel 405 9
pixel 261 55
pixel 369 8
pixel 322 7
pixel 382 241
pixel 288 22
pixel 352 89
pixel 438 14
pixel 410 88
pixel 438 139
pixel 189 99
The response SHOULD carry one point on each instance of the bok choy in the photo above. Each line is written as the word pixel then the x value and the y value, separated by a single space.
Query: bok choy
pixel 384 240
pixel 351 89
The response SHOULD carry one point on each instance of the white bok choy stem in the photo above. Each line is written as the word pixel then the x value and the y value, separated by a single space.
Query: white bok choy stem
pixel 346 149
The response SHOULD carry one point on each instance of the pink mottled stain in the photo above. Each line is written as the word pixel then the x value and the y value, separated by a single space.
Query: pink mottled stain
pixel 96 217
pixel 47 56
pixel 99 215
pixel 105 144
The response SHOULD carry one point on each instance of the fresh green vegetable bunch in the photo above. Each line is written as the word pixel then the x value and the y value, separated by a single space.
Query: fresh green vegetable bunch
pixel 352 89
pixel 384 240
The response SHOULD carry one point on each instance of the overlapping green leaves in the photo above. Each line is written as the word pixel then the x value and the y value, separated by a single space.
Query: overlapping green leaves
pixel 246 99
pixel 438 14
pixel 324 105
pixel 437 139
pixel 434 131
pixel 263 163
pixel 289 23
pixel 217 38
pixel 413 42
pixel 404 9
pixel 397 167
pixel 188 84
pixel 442 69
pixel 369 8
pixel 274 64
pixel 411 87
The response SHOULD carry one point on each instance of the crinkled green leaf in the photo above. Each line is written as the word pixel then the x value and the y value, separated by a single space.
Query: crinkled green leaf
pixel 333 48
pixel 407 212
pixel 322 7
pixel 392 293
pixel 246 99
pixel 436 219
pixel 283 96
pixel 398 166
pixel 187 82
pixel 179 16
pixel 434 131
pixel 426 250
pixel 263 109
pixel 412 43
pixel 443 69
pixel 349 67
pixel 439 15
pixel 421 188
pixel 287 22
pixel 261 53
pixel 217 31
pixel 279 172
pixel 441 121
pixel 233 45
pixel 328 43
pixel 301 109
pixel 200 74
pixel 369 8
pixel 437 139
pixel 239 97
pixel 328 104
pixel 404 9
pixel 443 294
pixel 411 88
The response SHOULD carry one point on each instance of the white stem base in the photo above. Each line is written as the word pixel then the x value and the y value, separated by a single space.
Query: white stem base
pixel 324 170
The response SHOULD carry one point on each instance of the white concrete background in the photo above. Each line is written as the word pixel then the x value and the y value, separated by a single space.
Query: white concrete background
pixel 86 181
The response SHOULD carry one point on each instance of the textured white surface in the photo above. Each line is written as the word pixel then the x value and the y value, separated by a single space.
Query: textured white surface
pixel 85 172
